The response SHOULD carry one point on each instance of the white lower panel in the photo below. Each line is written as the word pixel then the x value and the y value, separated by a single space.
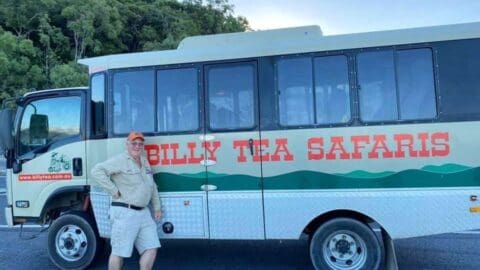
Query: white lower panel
pixel 403 213
pixel 101 209
pixel 186 212
pixel 235 215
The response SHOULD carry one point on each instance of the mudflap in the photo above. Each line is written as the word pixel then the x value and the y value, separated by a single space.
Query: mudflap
pixel 389 260
pixel 390 257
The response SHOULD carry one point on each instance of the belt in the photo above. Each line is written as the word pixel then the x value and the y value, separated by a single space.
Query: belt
pixel 126 205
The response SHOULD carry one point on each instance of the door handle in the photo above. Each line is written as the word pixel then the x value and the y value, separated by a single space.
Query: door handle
pixel 250 142
pixel 77 167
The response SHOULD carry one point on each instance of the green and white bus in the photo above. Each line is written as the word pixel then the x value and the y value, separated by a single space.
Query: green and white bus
pixel 352 140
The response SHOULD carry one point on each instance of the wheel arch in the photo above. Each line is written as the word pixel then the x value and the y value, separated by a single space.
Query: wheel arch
pixel 70 198
pixel 315 223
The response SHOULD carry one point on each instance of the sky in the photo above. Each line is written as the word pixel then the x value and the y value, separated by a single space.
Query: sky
pixel 354 16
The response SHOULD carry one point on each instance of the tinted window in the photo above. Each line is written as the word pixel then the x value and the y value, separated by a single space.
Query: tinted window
pixel 416 84
pixel 98 104
pixel 47 121
pixel 377 91
pixel 177 100
pixel 332 94
pixel 133 106
pixel 396 85
pixel 231 96
pixel 295 91
pixel 459 73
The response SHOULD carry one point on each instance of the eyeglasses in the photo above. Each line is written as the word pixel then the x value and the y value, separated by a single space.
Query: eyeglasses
pixel 136 144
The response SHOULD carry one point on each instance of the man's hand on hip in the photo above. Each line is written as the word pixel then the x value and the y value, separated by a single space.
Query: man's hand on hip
pixel 158 215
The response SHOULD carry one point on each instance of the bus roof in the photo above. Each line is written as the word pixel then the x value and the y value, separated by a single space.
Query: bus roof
pixel 277 42
pixel 55 89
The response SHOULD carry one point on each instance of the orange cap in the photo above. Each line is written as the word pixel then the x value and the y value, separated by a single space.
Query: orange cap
pixel 135 135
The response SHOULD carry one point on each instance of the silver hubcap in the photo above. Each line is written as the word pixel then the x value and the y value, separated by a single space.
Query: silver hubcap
pixel 71 243
pixel 344 250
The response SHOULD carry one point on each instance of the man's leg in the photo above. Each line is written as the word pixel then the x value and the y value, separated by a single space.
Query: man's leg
pixel 115 262
pixel 148 259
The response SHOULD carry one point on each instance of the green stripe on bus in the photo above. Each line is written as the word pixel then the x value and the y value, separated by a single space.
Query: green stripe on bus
pixel 430 176
pixel 404 179
pixel 168 182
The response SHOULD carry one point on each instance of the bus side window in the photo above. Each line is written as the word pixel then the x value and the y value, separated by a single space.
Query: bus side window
pixel 98 104
pixel 332 92
pixel 295 91
pixel 416 84
pixel 377 90
pixel 382 77
pixel 231 96
pixel 133 97
pixel 177 100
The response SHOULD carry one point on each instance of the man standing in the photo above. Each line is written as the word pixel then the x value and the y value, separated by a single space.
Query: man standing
pixel 129 179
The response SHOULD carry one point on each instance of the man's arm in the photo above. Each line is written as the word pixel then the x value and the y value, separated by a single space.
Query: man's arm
pixel 157 206
pixel 102 173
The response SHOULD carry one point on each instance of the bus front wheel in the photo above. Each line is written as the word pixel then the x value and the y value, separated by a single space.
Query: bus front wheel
pixel 72 241
pixel 347 244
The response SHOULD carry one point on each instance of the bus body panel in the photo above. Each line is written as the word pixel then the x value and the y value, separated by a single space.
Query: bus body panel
pixel 401 213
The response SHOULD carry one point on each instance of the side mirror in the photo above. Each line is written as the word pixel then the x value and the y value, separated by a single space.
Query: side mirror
pixel 38 131
pixel 6 129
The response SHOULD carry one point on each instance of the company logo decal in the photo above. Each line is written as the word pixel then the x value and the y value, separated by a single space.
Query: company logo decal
pixel 59 162
pixel 58 169
pixel 45 177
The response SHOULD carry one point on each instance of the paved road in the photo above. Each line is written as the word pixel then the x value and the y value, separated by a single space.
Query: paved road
pixel 449 251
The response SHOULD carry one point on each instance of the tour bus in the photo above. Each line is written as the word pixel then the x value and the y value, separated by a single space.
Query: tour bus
pixel 351 141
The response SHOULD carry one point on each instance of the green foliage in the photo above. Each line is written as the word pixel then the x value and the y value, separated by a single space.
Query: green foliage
pixel 69 75
pixel 41 40
pixel 19 65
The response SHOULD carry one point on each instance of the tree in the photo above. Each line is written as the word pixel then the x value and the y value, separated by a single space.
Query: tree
pixel 92 22
pixel 51 43
pixel 19 67
pixel 69 75
pixel 21 17
pixel 41 40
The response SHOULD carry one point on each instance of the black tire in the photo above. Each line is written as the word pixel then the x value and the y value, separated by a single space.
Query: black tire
pixel 73 241
pixel 347 244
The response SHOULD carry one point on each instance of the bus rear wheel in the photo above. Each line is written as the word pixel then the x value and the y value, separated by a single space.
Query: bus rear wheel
pixel 345 244
pixel 72 241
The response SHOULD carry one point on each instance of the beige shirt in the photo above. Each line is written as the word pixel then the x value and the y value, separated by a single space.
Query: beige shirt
pixel 136 185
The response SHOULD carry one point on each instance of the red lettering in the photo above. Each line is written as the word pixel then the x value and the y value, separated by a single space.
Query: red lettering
pixel 165 159
pixel 337 145
pixel 440 146
pixel 211 149
pixel 175 160
pixel 241 145
pixel 315 149
pixel 192 159
pixel 380 144
pixel 153 154
pixel 257 144
pixel 356 145
pixel 404 140
pixel 424 151
pixel 281 147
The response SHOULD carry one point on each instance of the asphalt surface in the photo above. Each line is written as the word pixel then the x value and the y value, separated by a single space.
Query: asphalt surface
pixel 448 251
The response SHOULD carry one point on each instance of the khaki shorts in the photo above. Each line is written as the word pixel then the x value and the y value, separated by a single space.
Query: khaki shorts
pixel 132 227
